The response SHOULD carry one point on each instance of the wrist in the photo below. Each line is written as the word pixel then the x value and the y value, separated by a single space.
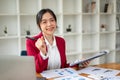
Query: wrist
pixel 45 54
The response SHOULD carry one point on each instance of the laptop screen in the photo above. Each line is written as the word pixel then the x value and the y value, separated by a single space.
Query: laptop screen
pixel 17 68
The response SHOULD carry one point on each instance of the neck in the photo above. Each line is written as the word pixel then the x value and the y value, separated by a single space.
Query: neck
pixel 49 38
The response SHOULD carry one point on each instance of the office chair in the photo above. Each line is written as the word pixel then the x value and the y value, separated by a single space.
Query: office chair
pixel 23 53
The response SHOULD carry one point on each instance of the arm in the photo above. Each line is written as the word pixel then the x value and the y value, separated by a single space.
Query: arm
pixel 40 63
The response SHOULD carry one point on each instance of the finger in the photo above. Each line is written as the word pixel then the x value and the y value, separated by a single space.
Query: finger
pixel 40 42
pixel 42 39
pixel 85 64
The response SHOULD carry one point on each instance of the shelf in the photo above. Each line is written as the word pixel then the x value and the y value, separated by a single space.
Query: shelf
pixel 8 37
pixel 84 24
pixel 8 6
pixel 70 53
pixel 90 23
pixel 28 23
pixel 89 51
pixel 89 33
pixel 71 34
pixel 71 20
pixel 107 6
pixel 56 7
pixel 31 8
pixel 12 46
pixel 71 6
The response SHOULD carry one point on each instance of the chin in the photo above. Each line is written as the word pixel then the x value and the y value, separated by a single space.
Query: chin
pixel 50 33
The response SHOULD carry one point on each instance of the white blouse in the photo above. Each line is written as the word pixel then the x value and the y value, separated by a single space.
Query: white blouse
pixel 54 61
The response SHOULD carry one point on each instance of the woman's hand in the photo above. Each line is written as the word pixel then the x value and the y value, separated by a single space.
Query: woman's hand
pixel 85 64
pixel 40 44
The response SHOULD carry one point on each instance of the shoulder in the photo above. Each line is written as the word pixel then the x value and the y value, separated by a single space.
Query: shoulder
pixel 59 39
pixel 35 36
pixel 38 35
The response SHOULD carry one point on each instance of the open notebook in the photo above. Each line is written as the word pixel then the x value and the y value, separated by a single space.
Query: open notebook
pixel 17 68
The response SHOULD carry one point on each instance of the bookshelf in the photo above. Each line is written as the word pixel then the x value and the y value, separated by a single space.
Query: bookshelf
pixel 86 19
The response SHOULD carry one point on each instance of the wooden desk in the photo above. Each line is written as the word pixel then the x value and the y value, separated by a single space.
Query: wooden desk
pixel 110 66
pixel 115 66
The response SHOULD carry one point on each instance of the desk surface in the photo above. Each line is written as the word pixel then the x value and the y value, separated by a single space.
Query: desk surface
pixel 108 66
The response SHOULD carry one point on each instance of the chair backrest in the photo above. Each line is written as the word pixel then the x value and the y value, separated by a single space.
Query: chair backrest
pixel 23 53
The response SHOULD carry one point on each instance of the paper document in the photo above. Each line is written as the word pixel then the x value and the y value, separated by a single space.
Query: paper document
pixel 59 72
pixel 91 58
pixel 112 78
pixel 97 77
pixel 99 71
pixel 73 77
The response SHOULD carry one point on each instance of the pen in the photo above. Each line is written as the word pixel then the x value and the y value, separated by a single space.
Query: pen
pixel 31 38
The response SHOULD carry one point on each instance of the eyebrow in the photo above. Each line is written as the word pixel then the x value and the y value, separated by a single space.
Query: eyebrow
pixel 48 19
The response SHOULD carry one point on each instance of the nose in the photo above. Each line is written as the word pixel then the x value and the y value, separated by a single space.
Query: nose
pixel 48 23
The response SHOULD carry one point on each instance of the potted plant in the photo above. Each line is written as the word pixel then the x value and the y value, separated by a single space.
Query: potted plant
pixel 103 27
pixel 69 28
pixel 28 31
pixel 5 31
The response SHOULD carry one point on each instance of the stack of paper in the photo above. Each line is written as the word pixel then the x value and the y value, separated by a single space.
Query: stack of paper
pixel 101 72
pixel 63 74
pixel 59 72
pixel 73 77
pixel 96 73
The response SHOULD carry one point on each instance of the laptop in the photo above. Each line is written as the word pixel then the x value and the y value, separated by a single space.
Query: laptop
pixel 17 68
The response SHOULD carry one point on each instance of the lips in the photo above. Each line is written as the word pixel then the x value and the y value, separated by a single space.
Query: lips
pixel 50 29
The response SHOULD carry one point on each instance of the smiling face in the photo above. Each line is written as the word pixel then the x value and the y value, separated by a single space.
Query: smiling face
pixel 48 24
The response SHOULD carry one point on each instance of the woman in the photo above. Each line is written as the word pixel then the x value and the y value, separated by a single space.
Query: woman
pixel 48 49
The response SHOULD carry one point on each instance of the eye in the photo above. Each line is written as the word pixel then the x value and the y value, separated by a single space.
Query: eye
pixel 52 20
pixel 43 22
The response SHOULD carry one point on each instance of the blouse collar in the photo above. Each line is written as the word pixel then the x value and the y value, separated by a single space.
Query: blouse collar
pixel 54 41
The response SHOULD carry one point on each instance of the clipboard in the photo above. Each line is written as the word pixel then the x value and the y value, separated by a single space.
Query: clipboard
pixel 90 58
